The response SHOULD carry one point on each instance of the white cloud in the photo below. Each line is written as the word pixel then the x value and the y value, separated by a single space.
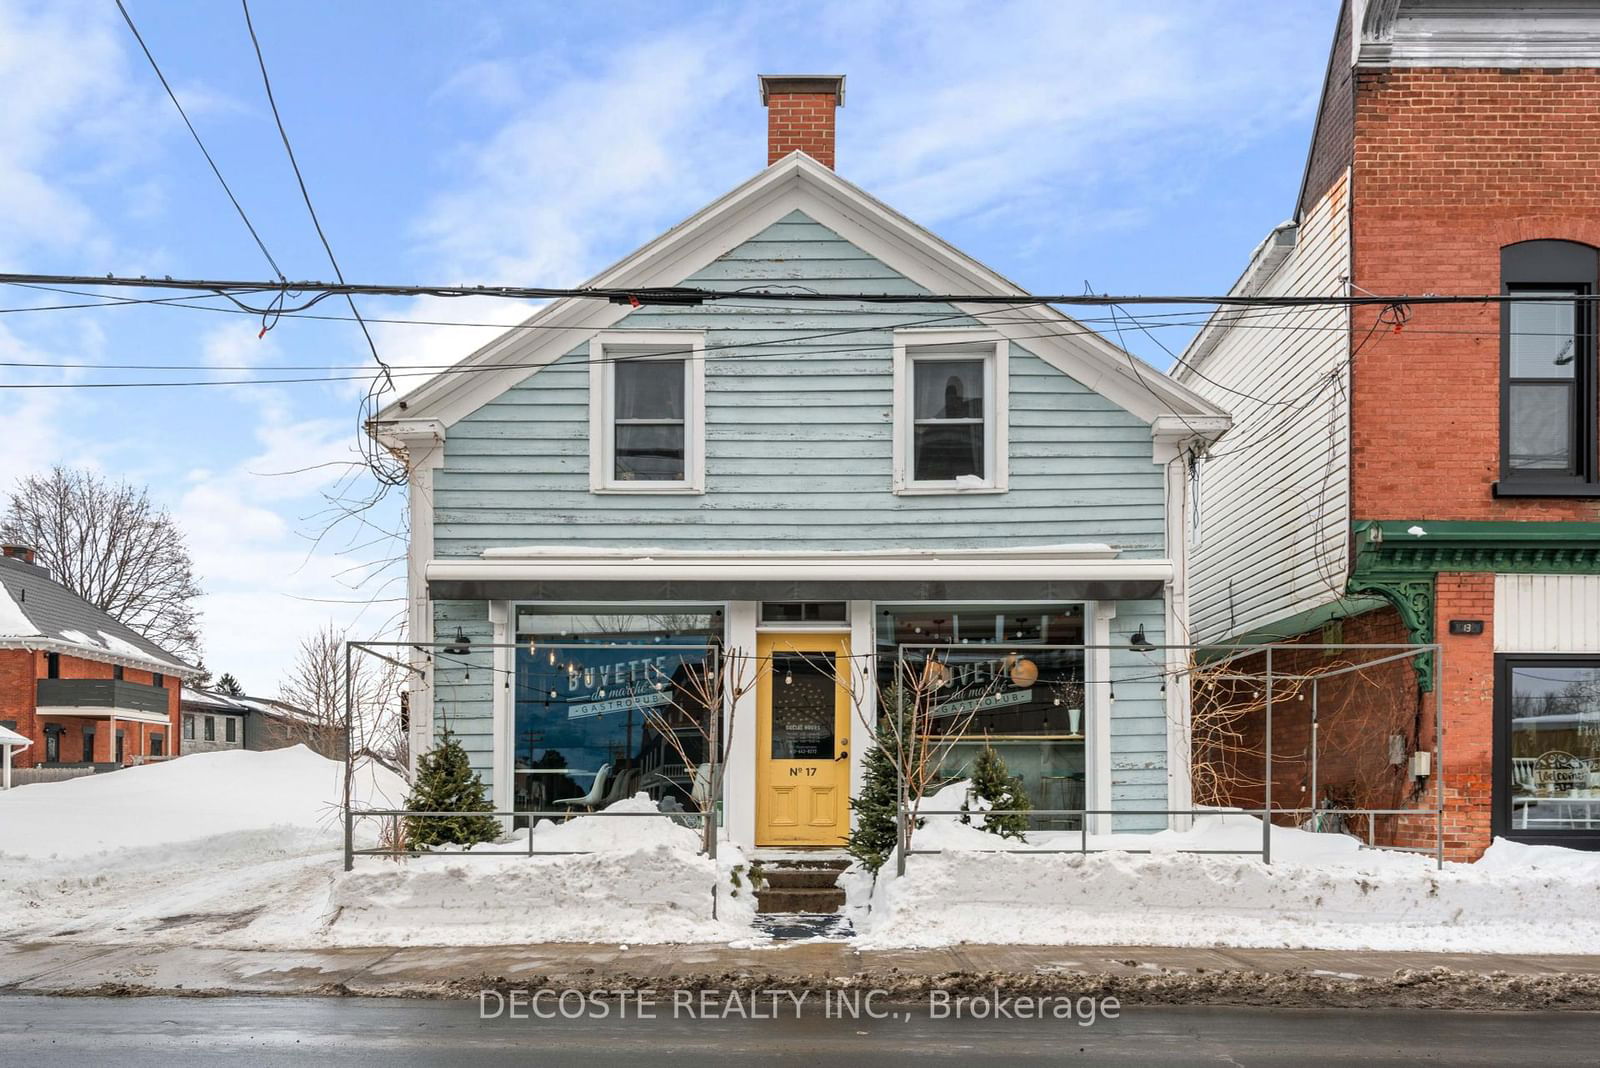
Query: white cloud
pixel 65 83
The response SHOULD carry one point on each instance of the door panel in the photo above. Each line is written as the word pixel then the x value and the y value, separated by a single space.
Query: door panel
pixel 803 740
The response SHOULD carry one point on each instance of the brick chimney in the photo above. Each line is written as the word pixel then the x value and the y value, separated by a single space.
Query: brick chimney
pixel 18 552
pixel 800 114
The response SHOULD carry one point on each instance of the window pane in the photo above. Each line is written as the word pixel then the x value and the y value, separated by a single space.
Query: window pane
pixel 1555 747
pixel 618 687
pixel 1541 426
pixel 650 453
pixel 945 452
pixel 1544 341
pixel 948 389
pixel 649 389
pixel 803 705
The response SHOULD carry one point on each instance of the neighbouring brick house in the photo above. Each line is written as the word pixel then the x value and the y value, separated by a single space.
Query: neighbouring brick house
pixel 83 688
pixel 1429 472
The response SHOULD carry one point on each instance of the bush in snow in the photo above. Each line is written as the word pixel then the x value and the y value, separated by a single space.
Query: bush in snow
pixel 447 783
pixel 993 787
pixel 873 836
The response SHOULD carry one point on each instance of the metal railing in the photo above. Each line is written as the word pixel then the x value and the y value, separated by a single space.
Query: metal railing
pixel 903 829
pixel 394 851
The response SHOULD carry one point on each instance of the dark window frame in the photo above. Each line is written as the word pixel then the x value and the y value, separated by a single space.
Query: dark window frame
pixel 211 728
pixel 229 731
pixel 1554 265
pixel 52 742
pixel 157 745
pixel 52 665
pixel 117 672
pixel 916 362
pixel 1501 824
pixel 88 746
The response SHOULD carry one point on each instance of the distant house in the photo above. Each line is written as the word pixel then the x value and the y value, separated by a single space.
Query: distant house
pixel 216 721
pixel 82 688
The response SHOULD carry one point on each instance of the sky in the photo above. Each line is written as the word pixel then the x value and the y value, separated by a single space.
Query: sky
pixel 1134 148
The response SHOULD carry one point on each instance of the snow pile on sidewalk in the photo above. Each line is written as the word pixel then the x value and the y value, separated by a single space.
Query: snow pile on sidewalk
pixel 248 797
pixel 642 879
pixel 245 850
pixel 1321 891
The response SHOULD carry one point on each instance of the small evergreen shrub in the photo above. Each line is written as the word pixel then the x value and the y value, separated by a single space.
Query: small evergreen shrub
pixel 447 783
pixel 992 782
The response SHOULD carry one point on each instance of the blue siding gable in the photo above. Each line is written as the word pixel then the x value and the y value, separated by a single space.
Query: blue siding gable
pixel 799 420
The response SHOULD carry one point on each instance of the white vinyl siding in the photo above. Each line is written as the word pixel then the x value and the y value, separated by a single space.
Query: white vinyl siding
pixel 1547 613
pixel 1277 513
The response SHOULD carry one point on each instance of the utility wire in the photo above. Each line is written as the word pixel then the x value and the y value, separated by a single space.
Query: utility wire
pixel 305 194
pixel 693 295
pixel 262 245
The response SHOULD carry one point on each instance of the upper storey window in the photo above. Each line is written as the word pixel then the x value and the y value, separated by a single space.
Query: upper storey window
pixel 950 411
pixel 1549 386
pixel 647 413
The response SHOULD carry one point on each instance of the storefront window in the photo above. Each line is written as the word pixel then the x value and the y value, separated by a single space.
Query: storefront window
pixel 596 686
pixel 1010 676
pixel 1552 737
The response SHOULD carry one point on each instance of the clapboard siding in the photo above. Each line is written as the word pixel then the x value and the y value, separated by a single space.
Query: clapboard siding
pixel 1275 505
pixel 798 436
pixel 462 694
pixel 799 418
pixel 1138 717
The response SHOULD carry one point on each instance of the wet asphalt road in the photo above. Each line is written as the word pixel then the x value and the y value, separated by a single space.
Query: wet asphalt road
pixel 129 1032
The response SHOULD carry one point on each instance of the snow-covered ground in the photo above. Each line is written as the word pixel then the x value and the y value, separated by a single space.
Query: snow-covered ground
pixel 243 849
pixel 1321 891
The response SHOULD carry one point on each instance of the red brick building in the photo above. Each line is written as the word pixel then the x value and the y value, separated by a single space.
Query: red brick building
pixel 83 689
pixel 1430 472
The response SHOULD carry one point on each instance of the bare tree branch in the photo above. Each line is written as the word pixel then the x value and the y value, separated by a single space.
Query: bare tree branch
pixel 110 545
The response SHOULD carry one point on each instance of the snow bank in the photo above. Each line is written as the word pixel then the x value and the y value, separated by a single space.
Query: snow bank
pixel 641 880
pixel 244 850
pixel 194 797
pixel 1321 891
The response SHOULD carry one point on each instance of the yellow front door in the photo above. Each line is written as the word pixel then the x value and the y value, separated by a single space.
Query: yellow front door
pixel 803 740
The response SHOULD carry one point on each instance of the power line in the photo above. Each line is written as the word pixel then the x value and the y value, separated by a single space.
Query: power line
pixel 693 295
pixel 383 467
pixel 262 245
pixel 305 194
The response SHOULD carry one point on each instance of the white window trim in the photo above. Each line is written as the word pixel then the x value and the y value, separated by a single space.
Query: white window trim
pixel 602 391
pixel 996 353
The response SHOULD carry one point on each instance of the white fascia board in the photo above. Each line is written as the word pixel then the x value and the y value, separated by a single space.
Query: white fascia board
pixel 797 182
pixel 128 715
pixel 799 569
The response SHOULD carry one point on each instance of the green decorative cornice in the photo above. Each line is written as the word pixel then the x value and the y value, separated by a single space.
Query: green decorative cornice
pixel 1399 560
pixel 1399 546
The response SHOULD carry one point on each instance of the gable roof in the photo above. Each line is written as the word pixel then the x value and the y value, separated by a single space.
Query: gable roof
pixel 36 612
pixel 799 183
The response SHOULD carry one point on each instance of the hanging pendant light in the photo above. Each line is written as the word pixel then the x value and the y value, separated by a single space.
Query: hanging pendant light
pixel 459 647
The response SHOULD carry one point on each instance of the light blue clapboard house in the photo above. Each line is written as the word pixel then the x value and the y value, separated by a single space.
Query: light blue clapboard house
pixel 614 495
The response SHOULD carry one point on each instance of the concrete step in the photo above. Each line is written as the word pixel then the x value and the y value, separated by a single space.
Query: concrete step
pixel 812 901
pixel 786 878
